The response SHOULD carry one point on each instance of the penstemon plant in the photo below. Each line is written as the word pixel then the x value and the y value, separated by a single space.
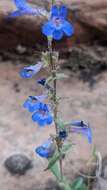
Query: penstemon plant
pixel 44 108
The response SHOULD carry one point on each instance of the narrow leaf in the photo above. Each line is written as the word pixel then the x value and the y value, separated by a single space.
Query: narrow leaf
pixel 67 187
pixel 56 171
pixel 53 160
pixel 77 184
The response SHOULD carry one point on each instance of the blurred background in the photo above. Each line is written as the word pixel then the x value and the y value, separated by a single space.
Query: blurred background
pixel 84 59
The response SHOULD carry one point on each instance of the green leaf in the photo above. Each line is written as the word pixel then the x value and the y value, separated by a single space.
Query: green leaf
pixel 67 187
pixel 83 187
pixel 77 184
pixel 56 171
pixel 65 184
pixel 66 147
pixel 53 160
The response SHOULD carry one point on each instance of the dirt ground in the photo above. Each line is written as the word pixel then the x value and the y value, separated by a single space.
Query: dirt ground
pixel 18 134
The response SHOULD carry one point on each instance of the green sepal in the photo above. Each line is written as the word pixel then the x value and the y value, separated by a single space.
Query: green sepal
pixel 60 124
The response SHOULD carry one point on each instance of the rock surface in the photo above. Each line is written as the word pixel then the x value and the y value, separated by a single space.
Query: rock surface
pixel 18 164
pixel 89 18
pixel 87 60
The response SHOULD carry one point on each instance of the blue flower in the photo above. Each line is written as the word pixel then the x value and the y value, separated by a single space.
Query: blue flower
pixel 23 8
pixel 46 150
pixel 33 102
pixel 83 128
pixel 43 116
pixel 30 71
pixel 58 26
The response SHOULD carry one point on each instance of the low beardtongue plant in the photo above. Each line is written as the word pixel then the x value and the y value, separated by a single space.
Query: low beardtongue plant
pixel 56 146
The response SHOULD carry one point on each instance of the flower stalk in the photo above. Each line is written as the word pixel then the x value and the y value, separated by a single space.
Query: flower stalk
pixel 54 99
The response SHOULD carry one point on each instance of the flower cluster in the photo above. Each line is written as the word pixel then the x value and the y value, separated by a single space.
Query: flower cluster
pixel 34 104
pixel 41 111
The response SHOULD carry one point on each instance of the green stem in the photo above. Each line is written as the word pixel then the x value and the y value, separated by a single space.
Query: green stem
pixel 55 111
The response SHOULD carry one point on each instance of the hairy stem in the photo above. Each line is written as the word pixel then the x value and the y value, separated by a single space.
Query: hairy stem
pixel 55 110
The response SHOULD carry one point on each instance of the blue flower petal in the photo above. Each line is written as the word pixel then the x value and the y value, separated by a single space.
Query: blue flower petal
pixel 89 135
pixel 36 117
pixel 31 11
pixel 34 107
pixel 49 119
pixel 68 28
pixel 59 11
pixel 42 122
pixel 15 14
pixel 63 12
pixel 27 104
pixel 45 107
pixel 46 150
pixel 54 11
pixel 21 4
pixel 79 123
pixel 86 131
pixel 43 116
pixel 25 8
pixel 48 28
pixel 29 72
pixel 42 152
pixel 31 104
pixel 57 34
